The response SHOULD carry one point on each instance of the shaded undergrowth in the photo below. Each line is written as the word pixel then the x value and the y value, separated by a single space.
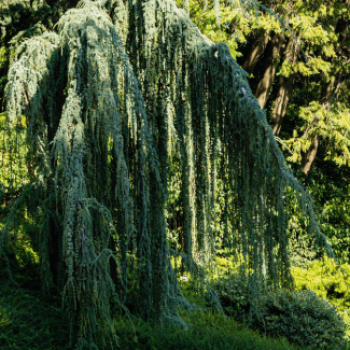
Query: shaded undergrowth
pixel 27 321
pixel 30 321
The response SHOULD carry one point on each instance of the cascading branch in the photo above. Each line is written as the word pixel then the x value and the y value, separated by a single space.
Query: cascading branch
pixel 122 92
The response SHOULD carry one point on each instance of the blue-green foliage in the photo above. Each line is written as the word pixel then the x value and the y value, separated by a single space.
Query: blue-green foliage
pixel 123 91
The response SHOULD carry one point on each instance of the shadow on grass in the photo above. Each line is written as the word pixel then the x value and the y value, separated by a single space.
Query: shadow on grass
pixel 30 320
pixel 208 331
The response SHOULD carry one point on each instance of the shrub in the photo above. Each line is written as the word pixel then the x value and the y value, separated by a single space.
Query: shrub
pixel 301 316
pixel 234 296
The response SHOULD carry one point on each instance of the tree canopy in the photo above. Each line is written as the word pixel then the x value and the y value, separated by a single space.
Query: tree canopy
pixel 132 138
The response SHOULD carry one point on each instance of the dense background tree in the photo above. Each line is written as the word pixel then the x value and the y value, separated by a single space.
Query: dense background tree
pixel 130 138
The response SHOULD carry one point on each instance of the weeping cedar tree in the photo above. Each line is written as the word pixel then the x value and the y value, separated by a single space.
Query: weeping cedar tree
pixel 121 92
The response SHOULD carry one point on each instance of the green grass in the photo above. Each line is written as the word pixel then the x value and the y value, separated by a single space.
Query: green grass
pixel 29 321
pixel 208 331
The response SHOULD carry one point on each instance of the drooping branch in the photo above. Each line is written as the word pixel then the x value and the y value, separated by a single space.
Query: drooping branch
pixel 121 89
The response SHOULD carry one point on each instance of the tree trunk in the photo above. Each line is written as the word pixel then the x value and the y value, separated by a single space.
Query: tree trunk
pixel 261 40
pixel 309 156
pixel 265 83
pixel 256 51
pixel 285 88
